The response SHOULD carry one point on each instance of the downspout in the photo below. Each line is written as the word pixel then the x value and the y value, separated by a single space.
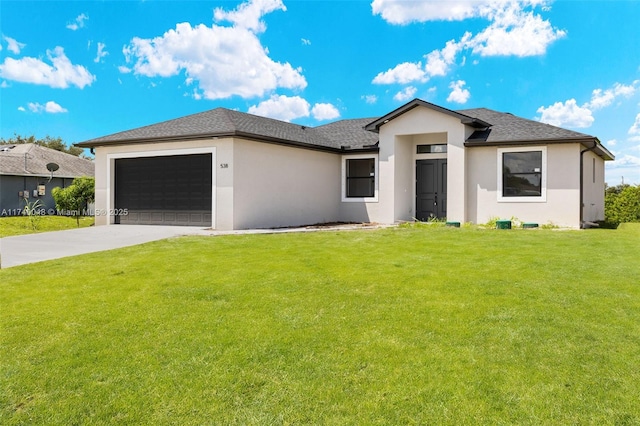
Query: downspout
pixel 582 225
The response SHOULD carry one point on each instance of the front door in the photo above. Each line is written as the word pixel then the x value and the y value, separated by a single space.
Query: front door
pixel 431 189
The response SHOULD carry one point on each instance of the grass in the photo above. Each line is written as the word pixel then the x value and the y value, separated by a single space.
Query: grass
pixel 21 225
pixel 415 325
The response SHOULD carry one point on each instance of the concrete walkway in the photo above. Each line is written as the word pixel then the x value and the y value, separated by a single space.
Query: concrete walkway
pixel 23 249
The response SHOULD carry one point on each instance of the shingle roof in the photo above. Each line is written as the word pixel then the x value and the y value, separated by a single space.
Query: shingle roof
pixel 31 160
pixel 508 127
pixel 222 122
pixel 493 127
pixel 349 133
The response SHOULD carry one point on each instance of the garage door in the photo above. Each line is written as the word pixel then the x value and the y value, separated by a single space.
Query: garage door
pixel 166 190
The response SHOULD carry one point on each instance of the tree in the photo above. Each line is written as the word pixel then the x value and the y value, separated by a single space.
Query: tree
pixel 622 204
pixel 76 196
pixel 48 142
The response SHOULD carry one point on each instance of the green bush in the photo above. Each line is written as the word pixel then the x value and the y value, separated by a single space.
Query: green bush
pixel 76 196
pixel 622 204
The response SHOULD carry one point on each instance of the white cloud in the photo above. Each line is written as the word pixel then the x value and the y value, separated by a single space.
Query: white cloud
pixel 405 12
pixel 603 98
pixel 323 111
pixel 101 52
pixel 612 142
pixel 405 94
pixel 403 73
pixel 370 99
pixel 223 61
pixel 13 45
pixel 635 128
pixel 50 107
pixel 249 15
pixel 21 108
pixel 625 161
pixel 281 107
pixel 514 30
pixel 625 168
pixel 305 41
pixel 458 93
pixel 124 70
pixel 60 74
pixel 78 22
pixel 439 61
pixel 567 114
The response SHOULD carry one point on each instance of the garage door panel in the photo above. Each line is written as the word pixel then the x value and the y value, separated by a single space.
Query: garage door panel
pixel 169 190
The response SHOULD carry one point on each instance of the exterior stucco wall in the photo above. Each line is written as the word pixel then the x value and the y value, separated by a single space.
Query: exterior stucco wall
pixel 223 200
pixel 398 139
pixel 593 178
pixel 276 185
pixel 563 188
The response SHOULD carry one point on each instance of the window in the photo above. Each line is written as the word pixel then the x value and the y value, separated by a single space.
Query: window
pixel 431 149
pixel 359 178
pixel 522 174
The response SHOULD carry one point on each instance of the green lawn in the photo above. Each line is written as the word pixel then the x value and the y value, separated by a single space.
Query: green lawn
pixel 20 225
pixel 415 325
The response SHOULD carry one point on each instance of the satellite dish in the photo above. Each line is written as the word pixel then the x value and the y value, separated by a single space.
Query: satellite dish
pixel 52 167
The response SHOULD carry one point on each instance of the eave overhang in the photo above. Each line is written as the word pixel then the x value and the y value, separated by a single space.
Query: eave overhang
pixel 591 142
pixel 236 134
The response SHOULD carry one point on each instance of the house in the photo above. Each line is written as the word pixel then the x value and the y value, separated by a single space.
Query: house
pixel 25 178
pixel 231 170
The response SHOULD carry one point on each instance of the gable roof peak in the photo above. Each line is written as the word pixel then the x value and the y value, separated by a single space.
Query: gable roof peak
pixel 374 126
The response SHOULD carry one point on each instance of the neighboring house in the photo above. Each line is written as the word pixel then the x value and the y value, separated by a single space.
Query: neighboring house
pixel 24 176
pixel 231 170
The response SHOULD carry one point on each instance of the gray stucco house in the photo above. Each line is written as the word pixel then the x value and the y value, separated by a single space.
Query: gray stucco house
pixel 24 175
pixel 231 170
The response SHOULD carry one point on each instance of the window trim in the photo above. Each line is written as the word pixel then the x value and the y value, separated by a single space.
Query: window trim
pixel 344 197
pixel 543 176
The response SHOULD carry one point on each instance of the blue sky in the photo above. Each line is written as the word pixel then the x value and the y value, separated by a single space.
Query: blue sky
pixel 84 69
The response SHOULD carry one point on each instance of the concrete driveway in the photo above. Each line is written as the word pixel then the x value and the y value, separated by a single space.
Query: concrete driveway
pixel 31 248
pixel 23 249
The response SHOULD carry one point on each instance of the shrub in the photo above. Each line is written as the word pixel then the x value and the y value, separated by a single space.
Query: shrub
pixel 76 196
pixel 622 204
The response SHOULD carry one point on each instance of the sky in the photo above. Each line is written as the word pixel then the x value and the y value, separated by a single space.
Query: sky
pixel 84 69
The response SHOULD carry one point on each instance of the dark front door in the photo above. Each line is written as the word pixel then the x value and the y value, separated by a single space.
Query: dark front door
pixel 165 190
pixel 431 189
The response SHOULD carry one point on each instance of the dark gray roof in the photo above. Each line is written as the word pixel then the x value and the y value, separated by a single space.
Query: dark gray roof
pixel 222 122
pixel 31 160
pixel 349 133
pixel 507 128
pixel 492 127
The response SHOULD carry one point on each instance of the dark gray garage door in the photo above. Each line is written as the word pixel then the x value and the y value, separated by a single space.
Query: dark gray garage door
pixel 167 190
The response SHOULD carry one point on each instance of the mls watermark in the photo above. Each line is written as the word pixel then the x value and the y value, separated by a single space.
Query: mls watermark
pixel 54 212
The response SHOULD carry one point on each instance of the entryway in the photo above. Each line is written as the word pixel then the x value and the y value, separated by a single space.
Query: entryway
pixel 431 189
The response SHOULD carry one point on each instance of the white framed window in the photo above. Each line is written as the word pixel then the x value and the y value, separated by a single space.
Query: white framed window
pixel 360 178
pixel 522 174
